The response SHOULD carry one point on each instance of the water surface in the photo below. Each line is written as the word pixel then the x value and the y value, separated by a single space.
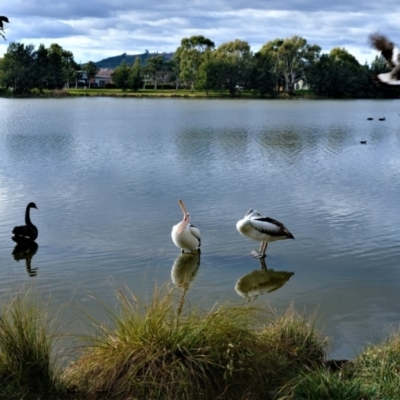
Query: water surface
pixel 106 174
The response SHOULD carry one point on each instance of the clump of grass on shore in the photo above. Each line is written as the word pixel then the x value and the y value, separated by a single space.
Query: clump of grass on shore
pixel 154 352
pixel 373 375
pixel 378 369
pixel 26 340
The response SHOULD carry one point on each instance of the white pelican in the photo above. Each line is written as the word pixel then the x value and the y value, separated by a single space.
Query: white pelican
pixel 262 229
pixel 391 53
pixel 185 235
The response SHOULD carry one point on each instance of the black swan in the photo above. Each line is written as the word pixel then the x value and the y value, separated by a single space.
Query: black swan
pixel 28 233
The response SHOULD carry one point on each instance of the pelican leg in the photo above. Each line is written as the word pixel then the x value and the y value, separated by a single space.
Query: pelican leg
pixel 263 248
pixel 260 253
pixel 263 264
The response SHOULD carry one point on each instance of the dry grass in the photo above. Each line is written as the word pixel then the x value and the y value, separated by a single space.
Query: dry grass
pixel 153 350
pixel 26 340
pixel 154 353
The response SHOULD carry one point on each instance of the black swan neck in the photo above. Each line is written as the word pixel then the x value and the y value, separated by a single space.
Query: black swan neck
pixel 27 216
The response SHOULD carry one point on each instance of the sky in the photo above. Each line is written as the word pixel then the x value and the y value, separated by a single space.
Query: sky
pixel 97 29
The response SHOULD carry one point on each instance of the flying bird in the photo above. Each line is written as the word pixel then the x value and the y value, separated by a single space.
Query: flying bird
pixel 28 233
pixel 262 229
pixel 185 235
pixel 391 54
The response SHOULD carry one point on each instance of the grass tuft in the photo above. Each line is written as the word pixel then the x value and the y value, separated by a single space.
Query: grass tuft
pixel 378 369
pixel 154 352
pixel 26 340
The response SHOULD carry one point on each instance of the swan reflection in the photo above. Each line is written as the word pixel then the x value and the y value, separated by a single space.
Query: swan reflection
pixel 26 252
pixel 260 281
pixel 184 270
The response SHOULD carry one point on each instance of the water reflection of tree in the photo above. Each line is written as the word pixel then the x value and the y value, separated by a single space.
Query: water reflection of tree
pixel 184 271
pixel 261 281
pixel 287 143
pixel 26 252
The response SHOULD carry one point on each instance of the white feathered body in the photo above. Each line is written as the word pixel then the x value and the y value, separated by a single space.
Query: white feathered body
pixel 189 239
pixel 262 229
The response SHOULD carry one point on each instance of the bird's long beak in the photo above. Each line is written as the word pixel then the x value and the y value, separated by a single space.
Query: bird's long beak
pixel 185 220
pixel 183 208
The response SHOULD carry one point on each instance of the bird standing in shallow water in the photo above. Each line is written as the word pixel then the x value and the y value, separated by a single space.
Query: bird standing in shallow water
pixel 185 235
pixel 262 229
pixel 25 234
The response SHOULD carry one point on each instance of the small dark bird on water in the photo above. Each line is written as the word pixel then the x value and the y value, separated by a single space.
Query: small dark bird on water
pixel 382 119
pixel 363 142
pixel 28 233
pixel 370 119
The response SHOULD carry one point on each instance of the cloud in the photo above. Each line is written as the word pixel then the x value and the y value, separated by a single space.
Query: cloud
pixel 97 29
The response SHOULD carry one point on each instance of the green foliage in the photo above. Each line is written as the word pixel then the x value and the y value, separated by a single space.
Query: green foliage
pixel 290 57
pixel 17 65
pixel 155 68
pixel 156 352
pixel 135 79
pixel 190 54
pixel 234 59
pixel 262 77
pixel 91 70
pixel 120 76
pixel 231 67
pixel 165 349
pixel 321 384
pixel 339 75
pixel 378 368
pixel 24 69
pixel 26 340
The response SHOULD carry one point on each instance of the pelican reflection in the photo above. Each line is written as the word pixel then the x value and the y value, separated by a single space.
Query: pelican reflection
pixel 184 270
pixel 260 281
pixel 26 252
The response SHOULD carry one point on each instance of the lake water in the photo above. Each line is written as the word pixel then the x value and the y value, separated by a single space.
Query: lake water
pixel 106 174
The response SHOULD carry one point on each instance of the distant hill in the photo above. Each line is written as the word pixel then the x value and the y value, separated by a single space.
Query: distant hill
pixel 113 62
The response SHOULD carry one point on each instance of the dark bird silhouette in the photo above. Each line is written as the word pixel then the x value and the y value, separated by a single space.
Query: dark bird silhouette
pixel 363 142
pixel 27 233
pixel 382 119
pixel 391 54
pixel 370 119
pixel 26 252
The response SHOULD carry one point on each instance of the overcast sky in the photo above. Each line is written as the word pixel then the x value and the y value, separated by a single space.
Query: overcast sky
pixel 97 29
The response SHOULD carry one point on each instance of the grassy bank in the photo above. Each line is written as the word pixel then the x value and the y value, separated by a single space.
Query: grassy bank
pixel 166 93
pixel 160 350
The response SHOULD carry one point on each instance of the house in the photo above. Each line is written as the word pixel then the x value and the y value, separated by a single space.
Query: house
pixel 301 85
pixel 102 77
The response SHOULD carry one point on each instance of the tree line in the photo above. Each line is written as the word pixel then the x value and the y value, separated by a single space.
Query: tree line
pixel 199 65
pixel 23 68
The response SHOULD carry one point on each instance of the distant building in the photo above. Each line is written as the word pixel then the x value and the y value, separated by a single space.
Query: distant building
pixel 301 85
pixel 103 77
pixel 100 80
